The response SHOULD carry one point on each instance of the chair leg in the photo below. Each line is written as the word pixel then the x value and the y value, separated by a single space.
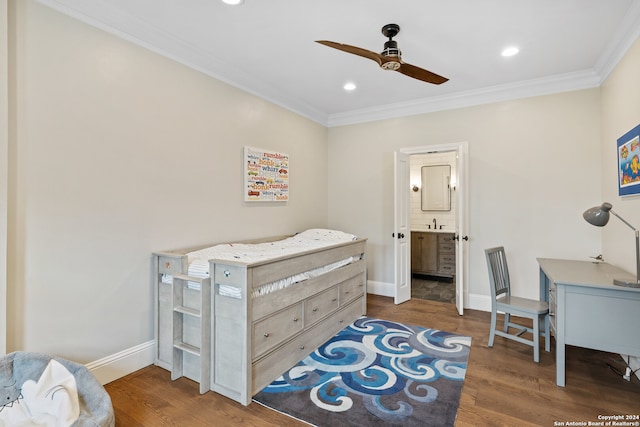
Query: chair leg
pixel 507 320
pixel 536 340
pixel 492 333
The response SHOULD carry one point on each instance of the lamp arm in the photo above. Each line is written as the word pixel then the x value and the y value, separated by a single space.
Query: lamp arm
pixel 637 246
pixel 623 220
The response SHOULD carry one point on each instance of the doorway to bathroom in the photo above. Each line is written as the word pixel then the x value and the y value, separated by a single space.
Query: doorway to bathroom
pixel 404 248
pixel 433 221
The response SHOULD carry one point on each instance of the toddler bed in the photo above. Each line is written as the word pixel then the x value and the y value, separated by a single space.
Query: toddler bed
pixel 271 303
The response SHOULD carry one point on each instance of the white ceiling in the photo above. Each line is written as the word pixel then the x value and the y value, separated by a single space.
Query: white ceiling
pixel 267 47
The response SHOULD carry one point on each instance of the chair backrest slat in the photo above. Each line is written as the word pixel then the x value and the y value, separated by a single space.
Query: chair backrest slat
pixel 498 271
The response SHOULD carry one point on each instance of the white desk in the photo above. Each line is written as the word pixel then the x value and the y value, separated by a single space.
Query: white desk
pixel 587 310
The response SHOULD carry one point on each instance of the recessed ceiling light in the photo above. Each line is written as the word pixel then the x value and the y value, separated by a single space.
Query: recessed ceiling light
pixel 510 51
pixel 233 2
pixel 349 86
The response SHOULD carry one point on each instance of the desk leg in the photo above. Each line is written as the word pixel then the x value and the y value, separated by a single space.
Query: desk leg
pixel 560 341
pixel 560 358
pixel 559 325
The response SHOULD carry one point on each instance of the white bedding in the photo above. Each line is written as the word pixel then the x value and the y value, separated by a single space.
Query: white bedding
pixel 306 240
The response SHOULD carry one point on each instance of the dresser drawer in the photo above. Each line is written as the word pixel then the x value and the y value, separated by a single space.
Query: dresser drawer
pixel 447 248
pixel 447 269
pixel 271 366
pixel 274 329
pixel 445 238
pixel 351 289
pixel 447 259
pixel 321 305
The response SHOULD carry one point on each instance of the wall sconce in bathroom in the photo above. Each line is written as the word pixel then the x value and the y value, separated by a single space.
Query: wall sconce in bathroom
pixel 415 188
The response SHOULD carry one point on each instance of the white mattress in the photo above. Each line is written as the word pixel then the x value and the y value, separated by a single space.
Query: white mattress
pixel 306 240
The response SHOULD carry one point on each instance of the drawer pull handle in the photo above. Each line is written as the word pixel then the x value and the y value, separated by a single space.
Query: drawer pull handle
pixel 301 347
pixel 227 273
pixel 168 265
pixel 266 334
pixel 295 319
pixel 340 321
pixel 314 309
pixel 334 300
pixel 346 292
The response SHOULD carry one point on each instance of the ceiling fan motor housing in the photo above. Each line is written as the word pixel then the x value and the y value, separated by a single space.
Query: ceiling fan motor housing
pixel 391 51
pixel 391 48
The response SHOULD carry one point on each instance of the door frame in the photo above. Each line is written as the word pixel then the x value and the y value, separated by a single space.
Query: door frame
pixel 462 258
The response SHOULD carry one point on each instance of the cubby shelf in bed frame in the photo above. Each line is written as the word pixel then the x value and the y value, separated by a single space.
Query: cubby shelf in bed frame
pixel 203 314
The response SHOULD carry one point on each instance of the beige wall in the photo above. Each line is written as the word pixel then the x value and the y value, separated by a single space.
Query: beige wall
pixel 534 166
pixel 120 152
pixel 620 114
pixel 4 167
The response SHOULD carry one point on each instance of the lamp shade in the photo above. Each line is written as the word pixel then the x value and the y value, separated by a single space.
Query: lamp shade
pixel 598 215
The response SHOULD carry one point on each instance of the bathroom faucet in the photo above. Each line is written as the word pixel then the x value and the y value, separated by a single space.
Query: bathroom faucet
pixel 434 224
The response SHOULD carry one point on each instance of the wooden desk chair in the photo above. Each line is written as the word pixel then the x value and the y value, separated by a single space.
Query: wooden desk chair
pixel 502 300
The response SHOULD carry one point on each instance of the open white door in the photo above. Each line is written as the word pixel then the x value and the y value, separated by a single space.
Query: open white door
pixel 461 226
pixel 401 229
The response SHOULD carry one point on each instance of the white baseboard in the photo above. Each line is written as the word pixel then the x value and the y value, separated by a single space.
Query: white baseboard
pixel 380 288
pixel 118 365
pixel 478 302
pixel 472 301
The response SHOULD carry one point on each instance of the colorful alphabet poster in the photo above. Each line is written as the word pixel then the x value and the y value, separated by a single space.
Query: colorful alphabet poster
pixel 629 163
pixel 266 176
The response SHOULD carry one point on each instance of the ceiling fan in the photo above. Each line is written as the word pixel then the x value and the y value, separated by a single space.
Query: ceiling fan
pixel 390 57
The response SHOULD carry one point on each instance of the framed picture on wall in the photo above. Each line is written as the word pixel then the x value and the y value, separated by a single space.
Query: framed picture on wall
pixel 266 175
pixel 629 163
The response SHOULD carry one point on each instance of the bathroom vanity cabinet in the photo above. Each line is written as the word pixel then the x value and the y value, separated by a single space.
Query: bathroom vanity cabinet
pixel 433 253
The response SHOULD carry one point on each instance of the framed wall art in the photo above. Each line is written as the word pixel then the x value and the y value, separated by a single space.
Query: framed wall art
pixel 629 163
pixel 266 175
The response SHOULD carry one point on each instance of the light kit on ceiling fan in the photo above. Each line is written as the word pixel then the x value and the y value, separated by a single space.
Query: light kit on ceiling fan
pixel 390 58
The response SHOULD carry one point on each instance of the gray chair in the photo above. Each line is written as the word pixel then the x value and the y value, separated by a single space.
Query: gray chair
pixel 502 300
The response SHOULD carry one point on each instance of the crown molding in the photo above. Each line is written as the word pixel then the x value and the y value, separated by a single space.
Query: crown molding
pixel 620 43
pixel 525 89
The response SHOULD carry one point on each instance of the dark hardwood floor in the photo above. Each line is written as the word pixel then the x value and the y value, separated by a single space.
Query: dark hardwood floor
pixel 503 386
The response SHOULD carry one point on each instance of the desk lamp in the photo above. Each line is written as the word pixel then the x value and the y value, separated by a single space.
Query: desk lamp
pixel 599 216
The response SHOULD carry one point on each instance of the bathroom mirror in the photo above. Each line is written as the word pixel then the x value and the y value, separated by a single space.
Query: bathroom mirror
pixel 436 189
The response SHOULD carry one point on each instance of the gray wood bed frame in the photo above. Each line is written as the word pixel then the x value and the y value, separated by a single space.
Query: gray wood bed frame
pixel 237 346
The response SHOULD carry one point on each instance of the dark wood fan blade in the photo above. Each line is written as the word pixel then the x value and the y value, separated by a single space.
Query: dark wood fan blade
pixel 421 74
pixel 354 50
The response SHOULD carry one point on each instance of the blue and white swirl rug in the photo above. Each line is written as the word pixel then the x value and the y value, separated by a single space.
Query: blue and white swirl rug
pixel 376 373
